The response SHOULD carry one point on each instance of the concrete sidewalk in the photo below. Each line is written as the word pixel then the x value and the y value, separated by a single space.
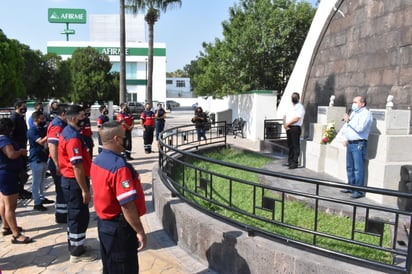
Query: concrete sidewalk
pixel 49 254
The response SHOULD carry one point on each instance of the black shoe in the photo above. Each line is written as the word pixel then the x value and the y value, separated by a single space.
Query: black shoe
pixel 46 201
pixel 357 195
pixel 346 191
pixel 293 167
pixel 40 207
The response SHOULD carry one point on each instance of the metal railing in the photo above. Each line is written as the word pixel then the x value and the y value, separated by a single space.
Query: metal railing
pixel 370 226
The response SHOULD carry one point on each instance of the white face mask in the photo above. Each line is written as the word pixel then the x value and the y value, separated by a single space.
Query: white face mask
pixel 355 107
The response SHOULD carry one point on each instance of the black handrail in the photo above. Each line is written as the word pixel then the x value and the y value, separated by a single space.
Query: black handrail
pixel 179 147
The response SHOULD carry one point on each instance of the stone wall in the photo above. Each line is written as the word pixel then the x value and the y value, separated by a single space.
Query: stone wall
pixel 365 48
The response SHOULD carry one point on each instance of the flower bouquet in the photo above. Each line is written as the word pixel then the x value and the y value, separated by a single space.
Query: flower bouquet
pixel 329 134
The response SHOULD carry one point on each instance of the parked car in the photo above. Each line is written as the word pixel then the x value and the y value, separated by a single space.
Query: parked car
pixel 171 104
pixel 135 108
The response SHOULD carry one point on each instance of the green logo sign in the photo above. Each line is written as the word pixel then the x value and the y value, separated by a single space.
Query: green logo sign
pixel 75 16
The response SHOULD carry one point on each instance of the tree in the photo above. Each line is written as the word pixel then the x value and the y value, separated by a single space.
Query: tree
pixel 11 71
pixel 90 74
pixel 152 9
pixel 262 40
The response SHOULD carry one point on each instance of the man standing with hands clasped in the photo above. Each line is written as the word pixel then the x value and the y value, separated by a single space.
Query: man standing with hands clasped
pixel 358 125
pixel 292 122
pixel 119 203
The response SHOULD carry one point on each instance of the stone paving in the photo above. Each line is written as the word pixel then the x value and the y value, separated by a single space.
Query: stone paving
pixel 49 254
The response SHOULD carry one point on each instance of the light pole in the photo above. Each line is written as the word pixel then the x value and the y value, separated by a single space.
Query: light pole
pixel 146 81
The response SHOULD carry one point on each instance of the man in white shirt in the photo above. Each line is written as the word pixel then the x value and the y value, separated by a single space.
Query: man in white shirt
pixel 292 122
pixel 358 125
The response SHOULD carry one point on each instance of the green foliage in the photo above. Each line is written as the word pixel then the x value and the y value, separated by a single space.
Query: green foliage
pixel 91 77
pixel 295 213
pixel 11 71
pixel 262 40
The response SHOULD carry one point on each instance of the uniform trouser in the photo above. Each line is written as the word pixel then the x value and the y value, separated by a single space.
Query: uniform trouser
pixel 293 138
pixel 160 126
pixel 128 145
pixel 90 145
pixel 118 246
pixel 77 215
pixel 61 204
pixel 148 138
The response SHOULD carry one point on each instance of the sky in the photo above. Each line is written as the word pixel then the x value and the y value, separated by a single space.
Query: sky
pixel 183 29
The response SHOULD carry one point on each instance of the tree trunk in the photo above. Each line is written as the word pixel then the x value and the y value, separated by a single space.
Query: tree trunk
pixel 149 90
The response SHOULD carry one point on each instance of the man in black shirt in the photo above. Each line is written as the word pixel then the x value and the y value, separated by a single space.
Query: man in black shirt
pixel 19 135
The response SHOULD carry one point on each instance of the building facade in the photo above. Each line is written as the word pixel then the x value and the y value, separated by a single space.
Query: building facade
pixel 105 36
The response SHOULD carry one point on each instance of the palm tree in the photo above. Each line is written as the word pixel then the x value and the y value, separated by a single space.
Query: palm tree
pixel 152 9
pixel 122 89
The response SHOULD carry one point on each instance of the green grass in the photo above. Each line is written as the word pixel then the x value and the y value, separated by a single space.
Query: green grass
pixel 294 213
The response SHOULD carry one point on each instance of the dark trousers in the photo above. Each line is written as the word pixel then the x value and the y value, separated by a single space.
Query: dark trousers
pixel 148 138
pixel 293 137
pixel 77 216
pixel 128 145
pixel 201 133
pixel 61 204
pixel 118 246
pixel 160 126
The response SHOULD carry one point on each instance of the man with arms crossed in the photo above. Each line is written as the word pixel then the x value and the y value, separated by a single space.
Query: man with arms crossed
pixel 119 203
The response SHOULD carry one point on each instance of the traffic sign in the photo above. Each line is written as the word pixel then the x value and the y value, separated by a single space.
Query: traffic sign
pixel 68 31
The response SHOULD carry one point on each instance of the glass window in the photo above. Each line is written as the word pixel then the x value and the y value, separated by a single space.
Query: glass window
pixel 180 83
pixel 131 69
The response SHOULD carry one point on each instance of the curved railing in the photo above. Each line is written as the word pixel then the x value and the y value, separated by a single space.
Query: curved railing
pixel 369 223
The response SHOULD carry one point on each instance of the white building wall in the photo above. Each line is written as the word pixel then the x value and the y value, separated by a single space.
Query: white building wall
pixel 106 27
pixel 254 108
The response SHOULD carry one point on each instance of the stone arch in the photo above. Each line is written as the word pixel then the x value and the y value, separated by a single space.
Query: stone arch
pixel 365 48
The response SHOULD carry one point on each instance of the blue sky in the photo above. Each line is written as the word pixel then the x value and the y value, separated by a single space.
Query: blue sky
pixel 182 29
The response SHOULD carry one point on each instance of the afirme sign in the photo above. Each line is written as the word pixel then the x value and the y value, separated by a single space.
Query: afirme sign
pixel 74 16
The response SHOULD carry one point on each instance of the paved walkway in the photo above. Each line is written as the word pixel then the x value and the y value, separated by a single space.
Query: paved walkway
pixel 49 254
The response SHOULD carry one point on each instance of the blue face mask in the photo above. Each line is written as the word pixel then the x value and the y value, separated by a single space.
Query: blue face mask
pixel 355 107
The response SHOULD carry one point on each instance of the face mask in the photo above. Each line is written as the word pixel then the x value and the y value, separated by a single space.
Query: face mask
pixel 80 123
pixel 41 124
pixel 126 110
pixel 295 100
pixel 40 110
pixel 105 112
pixel 355 107
pixel 23 110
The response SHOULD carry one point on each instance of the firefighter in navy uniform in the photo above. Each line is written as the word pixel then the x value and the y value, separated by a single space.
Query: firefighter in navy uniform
pixel 74 163
pixel 147 120
pixel 54 130
pixel 119 203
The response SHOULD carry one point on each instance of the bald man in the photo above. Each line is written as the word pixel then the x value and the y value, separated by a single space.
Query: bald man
pixel 119 203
